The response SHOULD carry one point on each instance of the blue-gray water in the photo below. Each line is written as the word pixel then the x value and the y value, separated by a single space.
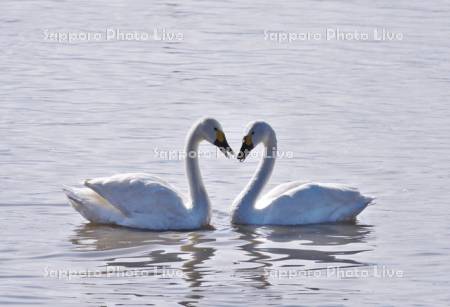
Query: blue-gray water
pixel 373 114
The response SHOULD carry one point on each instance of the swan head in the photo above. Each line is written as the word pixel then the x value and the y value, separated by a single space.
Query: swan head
pixel 256 132
pixel 212 131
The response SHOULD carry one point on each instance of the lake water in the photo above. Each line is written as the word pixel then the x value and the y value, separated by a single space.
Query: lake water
pixel 368 112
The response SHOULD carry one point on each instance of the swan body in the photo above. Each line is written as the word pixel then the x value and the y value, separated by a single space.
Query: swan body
pixel 148 202
pixel 291 203
pixel 133 200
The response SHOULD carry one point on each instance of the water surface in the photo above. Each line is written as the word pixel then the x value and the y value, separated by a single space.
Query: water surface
pixel 373 114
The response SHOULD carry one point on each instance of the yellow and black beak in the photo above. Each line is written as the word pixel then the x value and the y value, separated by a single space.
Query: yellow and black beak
pixel 221 142
pixel 247 146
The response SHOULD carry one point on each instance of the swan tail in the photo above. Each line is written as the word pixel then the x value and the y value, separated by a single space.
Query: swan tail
pixel 369 200
pixel 363 203
pixel 92 206
pixel 350 213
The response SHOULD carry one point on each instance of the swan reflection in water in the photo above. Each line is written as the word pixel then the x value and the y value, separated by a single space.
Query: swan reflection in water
pixel 257 250
pixel 153 252
pixel 297 248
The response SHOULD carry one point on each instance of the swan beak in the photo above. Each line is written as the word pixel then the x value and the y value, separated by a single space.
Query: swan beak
pixel 247 146
pixel 222 143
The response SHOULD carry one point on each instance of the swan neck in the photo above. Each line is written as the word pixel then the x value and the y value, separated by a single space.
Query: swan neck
pixel 197 191
pixel 248 197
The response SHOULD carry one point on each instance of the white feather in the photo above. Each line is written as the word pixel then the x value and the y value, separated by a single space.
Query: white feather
pixel 146 201
pixel 293 203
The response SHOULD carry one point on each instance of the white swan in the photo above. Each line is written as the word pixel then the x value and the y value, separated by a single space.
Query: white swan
pixel 148 202
pixel 292 203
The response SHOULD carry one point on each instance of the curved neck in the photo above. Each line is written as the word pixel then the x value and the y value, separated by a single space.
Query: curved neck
pixel 198 195
pixel 248 197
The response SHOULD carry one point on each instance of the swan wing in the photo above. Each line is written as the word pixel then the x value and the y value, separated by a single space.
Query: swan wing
pixel 138 194
pixel 283 188
pixel 312 203
pixel 92 206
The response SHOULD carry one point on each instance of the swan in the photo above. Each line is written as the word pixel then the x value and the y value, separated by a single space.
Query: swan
pixel 148 202
pixel 291 203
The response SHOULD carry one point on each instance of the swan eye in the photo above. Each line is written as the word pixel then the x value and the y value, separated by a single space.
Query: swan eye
pixel 253 132
pixel 247 140
pixel 215 129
